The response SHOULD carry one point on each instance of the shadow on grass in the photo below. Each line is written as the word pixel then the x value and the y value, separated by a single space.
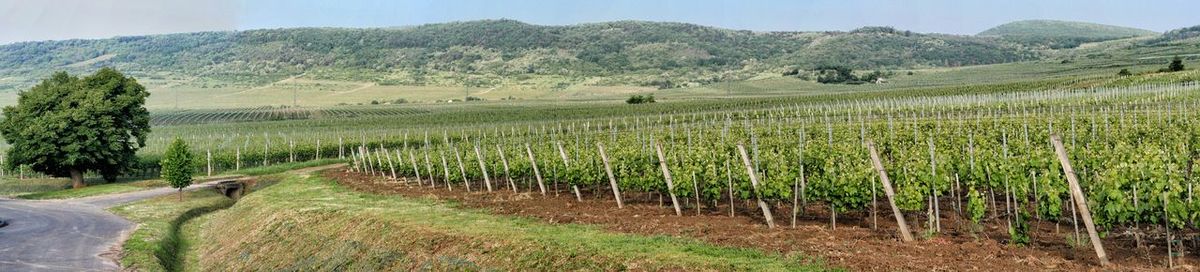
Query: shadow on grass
pixel 172 248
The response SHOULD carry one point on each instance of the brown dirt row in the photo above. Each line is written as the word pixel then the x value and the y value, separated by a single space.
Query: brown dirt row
pixel 853 244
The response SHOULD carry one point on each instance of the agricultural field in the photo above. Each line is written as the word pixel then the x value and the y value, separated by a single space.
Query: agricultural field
pixel 1036 145
pixel 967 151
pixel 968 164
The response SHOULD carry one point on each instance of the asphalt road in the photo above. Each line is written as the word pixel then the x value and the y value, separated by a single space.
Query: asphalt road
pixel 67 235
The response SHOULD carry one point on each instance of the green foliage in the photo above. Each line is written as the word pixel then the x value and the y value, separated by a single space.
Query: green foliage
pixel 284 167
pixel 1019 232
pixel 1176 65
pixel 640 99
pixel 836 74
pixel 976 206
pixel 173 247
pixel 177 163
pixel 477 51
pixel 876 75
pixel 1061 34
pixel 1177 35
pixel 68 124
pixel 1124 72
pixel 167 236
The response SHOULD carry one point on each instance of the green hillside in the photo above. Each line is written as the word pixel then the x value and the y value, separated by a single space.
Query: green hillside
pixel 487 53
pixel 1177 36
pixel 1061 34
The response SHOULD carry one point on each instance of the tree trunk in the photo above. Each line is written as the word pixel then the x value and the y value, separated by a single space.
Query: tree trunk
pixel 77 179
pixel 180 194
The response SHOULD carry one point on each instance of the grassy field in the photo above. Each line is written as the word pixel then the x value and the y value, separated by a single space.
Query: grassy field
pixel 309 223
pixel 95 190
pixel 57 188
pixel 1089 64
pixel 168 230
pixel 12 186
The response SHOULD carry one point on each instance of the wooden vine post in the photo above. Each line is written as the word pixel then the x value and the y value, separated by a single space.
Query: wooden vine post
pixel 445 172
pixel 266 148
pixel 612 179
pixel 891 194
pixel 237 160
pixel 208 159
pixel 483 169
pixel 412 161
pixel 428 167
pixel 662 163
pixel 379 160
pixel 391 167
pixel 462 170
pixel 1167 222
pixel 417 170
pixel 507 176
pixel 754 184
pixel 1080 201
pixel 366 154
pixel 566 164
pixel 536 173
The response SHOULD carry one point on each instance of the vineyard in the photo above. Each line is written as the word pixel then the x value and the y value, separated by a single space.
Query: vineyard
pixel 267 113
pixel 980 154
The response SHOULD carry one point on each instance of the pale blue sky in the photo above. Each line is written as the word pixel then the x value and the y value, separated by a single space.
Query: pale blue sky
pixel 23 20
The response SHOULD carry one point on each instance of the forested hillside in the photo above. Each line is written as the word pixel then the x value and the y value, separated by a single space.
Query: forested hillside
pixel 1061 34
pixel 475 53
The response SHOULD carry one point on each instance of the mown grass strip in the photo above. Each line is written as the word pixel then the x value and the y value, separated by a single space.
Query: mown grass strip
pixel 311 223
pixel 172 247
pixel 167 229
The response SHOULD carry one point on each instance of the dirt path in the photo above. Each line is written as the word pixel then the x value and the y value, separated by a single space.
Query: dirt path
pixel 853 244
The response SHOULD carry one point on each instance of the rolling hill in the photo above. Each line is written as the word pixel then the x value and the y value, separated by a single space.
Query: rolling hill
pixel 485 53
pixel 1061 34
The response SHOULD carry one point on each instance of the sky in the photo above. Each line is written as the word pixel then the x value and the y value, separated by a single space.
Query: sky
pixel 32 20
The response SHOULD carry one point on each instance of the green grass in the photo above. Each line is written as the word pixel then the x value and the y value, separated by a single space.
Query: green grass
pixel 16 187
pixel 61 188
pixel 95 190
pixel 167 230
pixel 311 223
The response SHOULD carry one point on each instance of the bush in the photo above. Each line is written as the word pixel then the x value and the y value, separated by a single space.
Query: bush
pixel 836 74
pixel 639 99
pixel 1176 65
pixel 871 77
pixel 1124 72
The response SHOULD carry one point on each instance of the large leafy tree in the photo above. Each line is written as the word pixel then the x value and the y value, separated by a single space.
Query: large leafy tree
pixel 66 126
pixel 177 166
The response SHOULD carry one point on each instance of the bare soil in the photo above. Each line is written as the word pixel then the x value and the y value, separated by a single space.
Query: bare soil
pixel 853 244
